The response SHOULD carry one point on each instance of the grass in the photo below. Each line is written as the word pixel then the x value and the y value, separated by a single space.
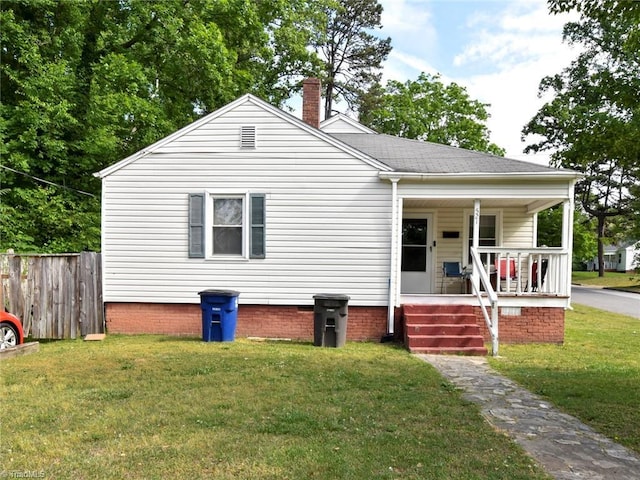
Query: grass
pixel 157 407
pixel 594 376
pixel 625 281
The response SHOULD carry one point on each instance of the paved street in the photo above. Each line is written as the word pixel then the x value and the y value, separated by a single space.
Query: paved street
pixel 610 300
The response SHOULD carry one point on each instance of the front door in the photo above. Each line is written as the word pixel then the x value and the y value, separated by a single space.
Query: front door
pixel 417 248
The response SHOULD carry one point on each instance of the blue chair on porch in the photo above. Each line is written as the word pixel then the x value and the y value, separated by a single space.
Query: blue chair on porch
pixel 451 270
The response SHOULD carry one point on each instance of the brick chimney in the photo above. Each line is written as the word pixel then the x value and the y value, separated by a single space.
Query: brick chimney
pixel 311 101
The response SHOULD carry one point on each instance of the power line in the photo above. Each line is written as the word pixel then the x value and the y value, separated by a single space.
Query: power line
pixel 47 181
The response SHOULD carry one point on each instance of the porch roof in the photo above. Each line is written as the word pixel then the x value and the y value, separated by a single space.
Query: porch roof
pixel 415 156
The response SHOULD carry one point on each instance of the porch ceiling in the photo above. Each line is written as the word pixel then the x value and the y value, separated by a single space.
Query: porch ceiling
pixel 433 203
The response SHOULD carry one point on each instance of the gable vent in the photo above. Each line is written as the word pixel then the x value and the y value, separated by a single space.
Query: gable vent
pixel 248 137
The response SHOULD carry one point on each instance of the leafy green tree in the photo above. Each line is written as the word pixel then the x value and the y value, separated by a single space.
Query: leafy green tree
pixel 428 110
pixel 353 56
pixel 592 124
pixel 585 243
pixel 84 84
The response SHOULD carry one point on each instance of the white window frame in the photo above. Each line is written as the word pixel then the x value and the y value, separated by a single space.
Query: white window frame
pixel 208 224
pixel 468 235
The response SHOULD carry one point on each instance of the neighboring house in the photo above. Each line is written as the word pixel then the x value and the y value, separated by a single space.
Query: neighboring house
pixel 253 199
pixel 617 258
pixel 627 255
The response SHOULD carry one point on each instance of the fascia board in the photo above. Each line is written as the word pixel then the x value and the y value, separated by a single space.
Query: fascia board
pixel 171 137
pixel 557 175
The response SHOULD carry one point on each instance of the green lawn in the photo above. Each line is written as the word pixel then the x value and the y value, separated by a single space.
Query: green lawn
pixel 157 407
pixel 594 376
pixel 625 281
pixel 160 407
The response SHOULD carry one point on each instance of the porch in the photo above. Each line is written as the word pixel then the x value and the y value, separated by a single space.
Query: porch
pixel 472 239
pixel 526 289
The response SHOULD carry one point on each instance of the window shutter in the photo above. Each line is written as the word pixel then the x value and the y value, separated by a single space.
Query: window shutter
pixel 196 225
pixel 257 225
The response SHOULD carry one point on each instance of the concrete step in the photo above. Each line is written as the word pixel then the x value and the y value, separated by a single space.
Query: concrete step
pixel 440 318
pixel 442 329
pixel 446 341
pixel 476 351
pixel 432 309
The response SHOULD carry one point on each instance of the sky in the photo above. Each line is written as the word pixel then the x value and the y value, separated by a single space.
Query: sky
pixel 499 50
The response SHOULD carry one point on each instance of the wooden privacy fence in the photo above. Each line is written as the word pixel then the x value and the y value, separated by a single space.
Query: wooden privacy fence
pixel 55 296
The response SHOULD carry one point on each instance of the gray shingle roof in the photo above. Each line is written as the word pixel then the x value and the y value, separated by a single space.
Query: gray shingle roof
pixel 414 156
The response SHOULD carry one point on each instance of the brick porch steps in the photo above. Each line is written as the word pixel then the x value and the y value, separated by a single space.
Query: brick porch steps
pixel 442 329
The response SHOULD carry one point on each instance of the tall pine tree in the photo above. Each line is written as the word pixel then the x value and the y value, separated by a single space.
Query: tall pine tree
pixel 353 56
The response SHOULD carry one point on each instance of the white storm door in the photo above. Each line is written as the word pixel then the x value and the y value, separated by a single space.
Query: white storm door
pixel 416 269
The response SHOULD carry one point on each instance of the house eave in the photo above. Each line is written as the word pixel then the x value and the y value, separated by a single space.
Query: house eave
pixel 482 176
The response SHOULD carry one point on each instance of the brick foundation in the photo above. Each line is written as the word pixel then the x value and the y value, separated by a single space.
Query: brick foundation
pixel 364 323
pixel 533 325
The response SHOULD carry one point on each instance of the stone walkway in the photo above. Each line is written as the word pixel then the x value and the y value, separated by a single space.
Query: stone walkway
pixel 566 448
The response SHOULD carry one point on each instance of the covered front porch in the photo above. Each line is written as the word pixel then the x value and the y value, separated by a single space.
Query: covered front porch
pixel 521 303
pixel 468 244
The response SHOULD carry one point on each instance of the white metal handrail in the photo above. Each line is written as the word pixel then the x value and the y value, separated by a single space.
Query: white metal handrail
pixel 480 276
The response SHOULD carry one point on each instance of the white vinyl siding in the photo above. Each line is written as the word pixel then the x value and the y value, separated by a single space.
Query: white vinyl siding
pixel 449 249
pixel 515 229
pixel 327 217
pixel 483 189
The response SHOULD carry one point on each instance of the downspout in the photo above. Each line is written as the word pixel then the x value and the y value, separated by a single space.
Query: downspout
pixel 393 270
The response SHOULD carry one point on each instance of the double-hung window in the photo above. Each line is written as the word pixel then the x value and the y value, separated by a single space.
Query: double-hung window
pixel 488 233
pixel 228 222
pixel 226 225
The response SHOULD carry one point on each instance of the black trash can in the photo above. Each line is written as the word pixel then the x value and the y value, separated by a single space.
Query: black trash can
pixel 219 315
pixel 330 313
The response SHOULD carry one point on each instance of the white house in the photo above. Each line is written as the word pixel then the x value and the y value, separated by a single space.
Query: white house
pixel 253 199
pixel 626 257
pixel 617 258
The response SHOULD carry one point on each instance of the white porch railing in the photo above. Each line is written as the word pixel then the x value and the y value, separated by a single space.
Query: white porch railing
pixel 542 271
pixel 497 271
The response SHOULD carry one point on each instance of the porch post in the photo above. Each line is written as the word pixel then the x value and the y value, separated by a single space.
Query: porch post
pixel 396 221
pixel 476 235
pixel 568 208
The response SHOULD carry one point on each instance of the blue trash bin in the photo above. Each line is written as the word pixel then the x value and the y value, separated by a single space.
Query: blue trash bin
pixel 219 315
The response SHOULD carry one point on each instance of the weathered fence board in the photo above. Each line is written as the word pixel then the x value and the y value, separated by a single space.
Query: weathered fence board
pixel 55 296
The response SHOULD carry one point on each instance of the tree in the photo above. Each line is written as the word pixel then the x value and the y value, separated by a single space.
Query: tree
pixel 84 84
pixel 353 56
pixel 585 244
pixel 593 122
pixel 428 110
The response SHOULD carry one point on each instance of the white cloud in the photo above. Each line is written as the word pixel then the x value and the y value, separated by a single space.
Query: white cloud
pixel 409 23
pixel 517 35
pixel 403 66
pixel 405 16
pixel 498 50
pixel 522 48
pixel 531 21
